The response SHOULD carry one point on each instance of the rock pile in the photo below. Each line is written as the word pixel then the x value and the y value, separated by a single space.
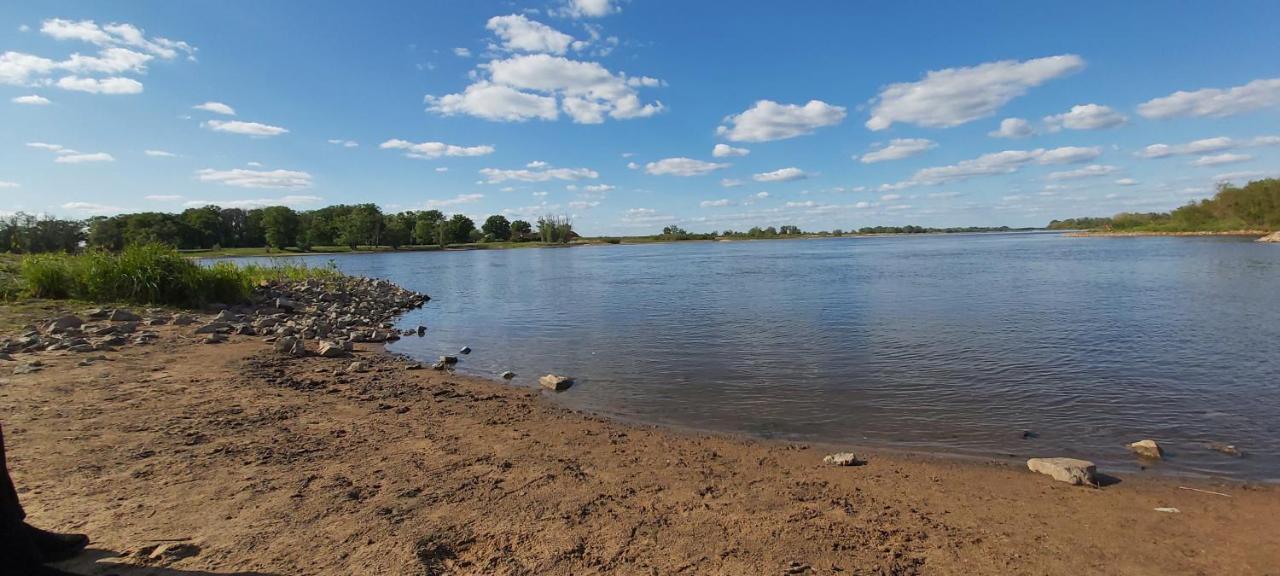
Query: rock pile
pixel 1273 237
pixel 106 331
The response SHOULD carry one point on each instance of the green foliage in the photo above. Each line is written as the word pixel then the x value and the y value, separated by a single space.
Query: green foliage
pixel 555 229
pixel 149 274
pixel 279 226
pixel 22 232
pixel 458 230
pixel 521 231
pixel 1255 206
pixel 498 227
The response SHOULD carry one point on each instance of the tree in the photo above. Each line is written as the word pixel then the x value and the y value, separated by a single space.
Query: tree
pixel 458 229
pixel 520 229
pixel 555 229
pixel 674 230
pixel 280 226
pixel 205 229
pixel 498 227
pixel 396 230
pixel 427 228
pixel 362 224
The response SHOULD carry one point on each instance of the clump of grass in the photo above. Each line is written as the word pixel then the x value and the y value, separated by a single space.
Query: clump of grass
pixel 151 274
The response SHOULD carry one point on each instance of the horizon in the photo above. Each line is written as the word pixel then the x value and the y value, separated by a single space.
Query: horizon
pixel 706 119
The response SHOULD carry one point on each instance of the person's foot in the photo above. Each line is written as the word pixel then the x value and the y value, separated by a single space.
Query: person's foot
pixel 55 547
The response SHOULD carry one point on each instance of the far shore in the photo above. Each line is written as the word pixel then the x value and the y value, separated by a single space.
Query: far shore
pixel 1117 234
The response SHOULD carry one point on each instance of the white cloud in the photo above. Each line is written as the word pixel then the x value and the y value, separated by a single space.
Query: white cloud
pixel 33 99
pixel 598 188
pixel 762 195
pixel 519 33
pixel 589 8
pixel 1013 128
pixel 583 204
pixel 455 201
pixel 159 154
pixel 890 197
pixel 682 167
pixel 1089 171
pixel 725 151
pixel 442 169
pixel 162 197
pixel 1219 159
pixel 83 158
pixel 291 200
pixel 768 120
pixel 112 85
pixel 462 52
pixel 50 147
pixel 543 174
pixel 1215 102
pixel 1243 175
pixel 243 178
pixel 781 175
pixel 1127 182
pixel 1085 117
pixel 897 149
pixel 90 208
pixel 954 96
pixel 216 108
pixel 1069 155
pixel 108 61
pixel 247 128
pixel 632 166
pixel 494 102
pixel 8 184
pixel 731 182
pixel 536 164
pixel 19 69
pixel 804 204
pixel 431 150
pixel 343 143
pixel 1206 146
pixel 115 34
pixel 721 203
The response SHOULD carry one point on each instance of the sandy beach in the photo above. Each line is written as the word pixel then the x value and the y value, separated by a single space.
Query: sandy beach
pixel 236 459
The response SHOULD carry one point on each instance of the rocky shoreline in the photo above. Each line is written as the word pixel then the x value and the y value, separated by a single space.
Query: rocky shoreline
pixel 1261 235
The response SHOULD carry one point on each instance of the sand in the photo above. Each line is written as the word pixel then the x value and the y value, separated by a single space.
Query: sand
pixel 274 465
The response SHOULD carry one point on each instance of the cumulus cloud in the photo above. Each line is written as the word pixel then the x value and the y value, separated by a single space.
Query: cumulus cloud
pixel 1069 155
pixel 1013 128
pixel 542 173
pixel 1214 102
pixel 897 149
pixel 69 156
pixel 589 8
pixel 682 167
pixel 34 100
pixel 1085 117
pixel 768 120
pixel 1127 182
pixel 540 86
pixel 244 178
pixel 518 33
pixel 781 175
pixel 455 201
pixel 992 164
pixel 721 203
pixel 1219 159
pixel 160 154
pixel 432 150
pixel 463 52
pixel 124 49
pixel 91 208
pixel 954 96
pixel 291 200
pixel 583 204
pixel 726 151
pixel 1090 171
pixel 730 182
pixel 8 184
pixel 112 85
pixel 247 128
pixel 115 34
pixel 1205 146
pixel 216 108
pixel 343 143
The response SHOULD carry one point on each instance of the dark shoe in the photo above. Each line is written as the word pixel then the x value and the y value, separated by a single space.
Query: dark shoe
pixel 54 547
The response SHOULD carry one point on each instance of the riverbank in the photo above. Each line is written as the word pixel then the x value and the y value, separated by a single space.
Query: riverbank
pixel 1125 234
pixel 236 457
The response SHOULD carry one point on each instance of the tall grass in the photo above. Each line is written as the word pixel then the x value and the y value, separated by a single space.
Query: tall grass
pixel 150 274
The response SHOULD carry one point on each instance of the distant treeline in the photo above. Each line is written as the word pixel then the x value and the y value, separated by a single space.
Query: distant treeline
pixel 275 226
pixel 1255 206
pixel 789 231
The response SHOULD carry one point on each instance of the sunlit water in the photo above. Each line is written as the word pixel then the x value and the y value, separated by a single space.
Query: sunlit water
pixel 950 344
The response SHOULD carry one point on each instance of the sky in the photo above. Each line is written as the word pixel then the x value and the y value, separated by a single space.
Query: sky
pixel 631 115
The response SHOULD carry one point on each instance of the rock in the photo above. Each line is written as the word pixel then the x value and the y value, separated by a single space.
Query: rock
pixel 64 323
pixel 215 338
pixel 183 320
pixel 1228 449
pixel 449 359
pixel 27 368
pixel 508 375
pixel 841 459
pixel 439 366
pixel 122 315
pixel 357 367
pixel 554 382
pixel 422 330
pixel 465 350
pixel 331 350
pixel 213 327
pixel 1273 237
pixel 286 304
pixel 225 316
pixel 174 551
pixel 1147 449
pixel 1167 510
pixel 97 313
pixel 1069 470
pixel 1029 435
pixel 6 357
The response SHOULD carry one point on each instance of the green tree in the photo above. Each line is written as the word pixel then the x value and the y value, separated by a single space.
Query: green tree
pixel 396 230
pixel 498 227
pixel 519 229
pixel 204 226
pixel 362 224
pixel 427 228
pixel 458 229
pixel 555 229
pixel 280 226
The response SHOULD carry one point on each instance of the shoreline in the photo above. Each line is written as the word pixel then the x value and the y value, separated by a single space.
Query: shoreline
pixel 269 462
pixel 1228 233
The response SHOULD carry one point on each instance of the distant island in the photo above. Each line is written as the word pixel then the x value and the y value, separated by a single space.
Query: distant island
pixel 1252 209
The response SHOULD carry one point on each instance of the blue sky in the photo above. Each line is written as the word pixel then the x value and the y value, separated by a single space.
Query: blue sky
pixel 825 114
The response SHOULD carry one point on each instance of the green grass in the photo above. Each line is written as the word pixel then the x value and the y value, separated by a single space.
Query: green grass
pixel 150 274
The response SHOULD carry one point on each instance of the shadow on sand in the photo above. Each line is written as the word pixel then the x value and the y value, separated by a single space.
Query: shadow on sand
pixel 90 563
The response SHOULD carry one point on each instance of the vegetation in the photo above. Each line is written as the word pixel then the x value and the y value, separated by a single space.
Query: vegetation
pixel 149 274
pixel 1255 206
pixel 556 229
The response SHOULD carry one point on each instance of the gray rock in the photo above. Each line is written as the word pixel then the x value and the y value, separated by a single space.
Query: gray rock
pixel 448 359
pixel 97 313
pixel 122 315
pixel 27 368
pixel 841 459
pixel 439 366
pixel 554 382
pixel 63 323
pixel 215 338
pixel 508 375
pixel 422 330
pixel 183 320
pixel 6 357
pixel 358 366
pixel 213 327
pixel 286 304
pixel 1147 449
pixel 465 350
pixel 1069 470
pixel 331 350
pixel 1228 449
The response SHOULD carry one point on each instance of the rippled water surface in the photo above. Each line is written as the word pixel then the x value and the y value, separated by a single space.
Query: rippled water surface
pixel 939 343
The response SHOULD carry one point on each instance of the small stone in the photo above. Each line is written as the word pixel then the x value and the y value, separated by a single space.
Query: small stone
pixel 1070 470
pixel 212 327
pixel 357 367
pixel 331 350
pixel 1168 510
pixel 27 368
pixel 554 382
pixel 1228 449
pixel 174 551
pixel 449 359
pixel 64 323
pixel 215 338
pixel 508 375
pixel 183 320
pixel 97 313
pixel 286 304
pixel 841 459
pixel 465 350
pixel 422 330
pixel 1147 449
pixel 439 366
pixel 122 315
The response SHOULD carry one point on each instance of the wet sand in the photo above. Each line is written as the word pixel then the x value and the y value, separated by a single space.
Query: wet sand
pixel 278 465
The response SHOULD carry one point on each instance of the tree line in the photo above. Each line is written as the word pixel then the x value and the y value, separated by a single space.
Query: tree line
pixel 1254 206
pixel 278 227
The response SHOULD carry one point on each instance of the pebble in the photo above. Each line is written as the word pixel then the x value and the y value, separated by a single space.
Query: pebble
pixel 841 459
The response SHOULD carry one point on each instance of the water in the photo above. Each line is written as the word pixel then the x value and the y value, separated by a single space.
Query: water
pixel 940 343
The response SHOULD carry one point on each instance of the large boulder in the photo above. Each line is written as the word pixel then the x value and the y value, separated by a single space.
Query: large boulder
pixel 1069 470
pixel 331 350
pixel 64 323
pixel 1147 449
pixel 554 382
pixel 1273 237
pixel 122 315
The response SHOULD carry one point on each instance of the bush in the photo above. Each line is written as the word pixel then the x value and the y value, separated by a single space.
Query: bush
pixel 150 274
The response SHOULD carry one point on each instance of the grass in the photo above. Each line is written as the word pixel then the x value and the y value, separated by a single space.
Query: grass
pixel 151 274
